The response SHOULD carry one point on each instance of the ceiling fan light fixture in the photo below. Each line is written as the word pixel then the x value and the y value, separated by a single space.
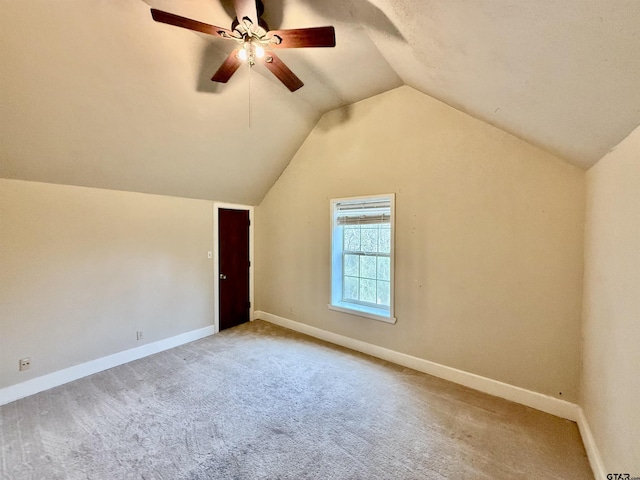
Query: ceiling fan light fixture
pixel 254 40
pixel 249 51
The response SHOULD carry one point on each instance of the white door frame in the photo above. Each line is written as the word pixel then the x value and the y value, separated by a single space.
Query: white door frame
pixel 216 267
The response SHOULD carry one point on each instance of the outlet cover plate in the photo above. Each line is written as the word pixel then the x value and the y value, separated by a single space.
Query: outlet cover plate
pixel 25 364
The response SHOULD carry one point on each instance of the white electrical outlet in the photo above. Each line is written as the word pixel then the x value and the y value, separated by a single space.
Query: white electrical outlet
pixel 25 364
pixel 209 254
pixel 139 335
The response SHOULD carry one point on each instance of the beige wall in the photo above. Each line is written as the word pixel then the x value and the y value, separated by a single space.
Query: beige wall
pixel 489 235
pixel 611 378
pixel 81 270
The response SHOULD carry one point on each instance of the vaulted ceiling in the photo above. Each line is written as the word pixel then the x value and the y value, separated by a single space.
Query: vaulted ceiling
pixel 97 94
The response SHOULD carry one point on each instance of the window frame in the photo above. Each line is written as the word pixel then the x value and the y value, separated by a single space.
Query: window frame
pixel 336 302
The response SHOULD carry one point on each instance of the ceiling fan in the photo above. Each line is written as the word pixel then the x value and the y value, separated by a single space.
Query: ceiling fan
pixel 255 40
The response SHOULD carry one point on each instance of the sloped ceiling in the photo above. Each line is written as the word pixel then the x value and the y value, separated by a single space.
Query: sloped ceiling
pixel 97 94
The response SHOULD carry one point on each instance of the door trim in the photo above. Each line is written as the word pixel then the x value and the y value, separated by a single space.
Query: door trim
pixel 216 267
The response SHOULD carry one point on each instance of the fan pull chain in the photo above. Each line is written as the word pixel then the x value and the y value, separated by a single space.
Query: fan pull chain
pixel 250 68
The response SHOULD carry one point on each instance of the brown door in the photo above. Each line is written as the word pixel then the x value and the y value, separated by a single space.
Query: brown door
pixel 233 261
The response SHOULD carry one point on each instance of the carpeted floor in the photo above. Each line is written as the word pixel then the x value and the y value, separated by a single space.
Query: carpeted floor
pixel 262 402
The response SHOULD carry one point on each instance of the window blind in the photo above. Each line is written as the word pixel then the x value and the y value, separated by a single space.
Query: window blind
pixel 363 212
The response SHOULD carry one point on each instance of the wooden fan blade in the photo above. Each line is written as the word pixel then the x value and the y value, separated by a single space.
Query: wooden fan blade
pixel 280 70
pixel 304 37
pixel 183 22
pixel 228 68
pixel 246 8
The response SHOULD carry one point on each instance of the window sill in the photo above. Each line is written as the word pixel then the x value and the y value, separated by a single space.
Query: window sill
pixel 363 313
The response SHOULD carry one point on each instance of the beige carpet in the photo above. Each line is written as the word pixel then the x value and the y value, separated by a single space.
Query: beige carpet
pixel 261 402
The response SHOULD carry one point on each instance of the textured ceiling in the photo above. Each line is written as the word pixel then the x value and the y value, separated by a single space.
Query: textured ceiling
pixel 97 94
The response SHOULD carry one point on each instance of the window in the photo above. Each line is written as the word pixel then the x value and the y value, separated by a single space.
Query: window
pixel 362 256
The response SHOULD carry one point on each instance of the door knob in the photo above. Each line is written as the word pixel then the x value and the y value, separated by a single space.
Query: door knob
pixel 223 276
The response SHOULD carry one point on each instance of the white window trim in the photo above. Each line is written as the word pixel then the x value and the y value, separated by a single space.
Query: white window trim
pixel 361 313
pixel 363 310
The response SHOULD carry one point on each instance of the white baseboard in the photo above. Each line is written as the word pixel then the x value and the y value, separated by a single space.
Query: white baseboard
pixel 45 382
pixel 590 446
pixel 545 403
pixel 519 395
